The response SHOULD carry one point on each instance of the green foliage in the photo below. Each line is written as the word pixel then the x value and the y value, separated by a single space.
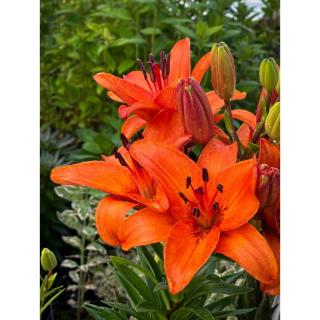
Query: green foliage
pixel 209 295
pixel 81 38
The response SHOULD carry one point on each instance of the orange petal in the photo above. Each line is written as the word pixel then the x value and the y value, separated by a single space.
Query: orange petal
pixel 245 116
pixel 187 249
pixel 238 201
pixel 110 215
pixel 217 156
pixel 144 110
pixel 132 125
pixel 171 168
pixel 220 134
pixel 269 154
pixel 167 127
pixel 248 247
pixel 201 67
pixel 180 61
pixel 237 95
pixel 245 134
pixel 114 97
pixel 127 91
pixel 108 176
pixel 137 78
pixel 273 288
pixel 166 98
pixel 145 227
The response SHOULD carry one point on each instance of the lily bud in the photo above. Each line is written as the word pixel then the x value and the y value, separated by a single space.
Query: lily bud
pixel 278 85
pixel 223 72
pixel 268 74
pixel 272 124
pixel 48 260
pixel 194 109
pixel 268 185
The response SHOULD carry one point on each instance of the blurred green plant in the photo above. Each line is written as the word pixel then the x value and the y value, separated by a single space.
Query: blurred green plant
pixel 87 263
pixel 47 293
pixel 81 38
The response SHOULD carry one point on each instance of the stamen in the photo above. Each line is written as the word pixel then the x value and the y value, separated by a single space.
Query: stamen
pixel 196 212
pixel 125 141
pixel 199 191
pixel 142 68
pixel 188 182
pixel 120 158
pixel 216 206
pixel 151 58
pixel 183 197
pixel 151 71
pixel 220 187
pixel 205 175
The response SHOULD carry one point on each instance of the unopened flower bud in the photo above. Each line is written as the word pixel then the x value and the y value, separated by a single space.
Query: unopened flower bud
pixel 48 260
pixel 268 185
pixel 278 85
pixel 194 109
pixel 272 124
pixel 223 72
pixel 268 74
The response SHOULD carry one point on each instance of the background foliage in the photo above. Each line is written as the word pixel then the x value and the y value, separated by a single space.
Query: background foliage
pixel 78 122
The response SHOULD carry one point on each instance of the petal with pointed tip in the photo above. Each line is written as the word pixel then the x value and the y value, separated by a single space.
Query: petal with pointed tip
pixel 137 78
pixel 125 90
pixel 201 67
pixel 186 250
pixel 108 176
pixel 269 154
pixel 132 125
pixel 167 98
pixel 114 97
pixel 238 202
pixel 245 116
pixel 248 247
pixel 180 61
pixel 220 134
pixel 167 127
pixel 145 227
pixel 110 215
pixel 245 134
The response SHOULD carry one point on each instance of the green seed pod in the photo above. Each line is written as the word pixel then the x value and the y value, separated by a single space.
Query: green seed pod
pixel 48 260
pixel 223 72
pixel 272 124
pixel 268 74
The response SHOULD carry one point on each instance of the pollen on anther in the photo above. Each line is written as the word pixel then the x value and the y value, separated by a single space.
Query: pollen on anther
pixel 220 187
pixel 216 206
pixel 183 197
pixel 188 182
pixel 120 158
pixel 205 175
pixel 196 212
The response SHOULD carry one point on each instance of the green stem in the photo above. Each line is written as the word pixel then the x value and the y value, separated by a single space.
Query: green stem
pixel 80 294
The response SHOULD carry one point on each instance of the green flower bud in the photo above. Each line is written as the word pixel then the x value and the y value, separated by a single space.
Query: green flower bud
pixel 48 260
pixel 278 84
pixel 268 74
pixel 272 124
pixel 223 72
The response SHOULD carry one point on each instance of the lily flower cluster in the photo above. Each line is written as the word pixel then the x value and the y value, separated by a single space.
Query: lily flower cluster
pixel 223 200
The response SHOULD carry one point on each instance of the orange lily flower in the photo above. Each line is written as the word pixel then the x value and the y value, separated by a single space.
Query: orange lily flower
pixel 270 216
pixel 212 201
pixel 130 187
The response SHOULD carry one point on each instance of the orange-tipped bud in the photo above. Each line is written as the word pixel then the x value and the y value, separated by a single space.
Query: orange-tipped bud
pixel 223 72
pixel 194 108
pixel 268 185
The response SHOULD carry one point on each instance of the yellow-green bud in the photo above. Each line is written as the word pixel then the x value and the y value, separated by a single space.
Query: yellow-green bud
pixel 223 72
pixel 268 74
pixel 278 84
pixel 272 124
pixel 48 260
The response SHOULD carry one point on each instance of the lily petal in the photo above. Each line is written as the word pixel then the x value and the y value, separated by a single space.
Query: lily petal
pixel 186 250
pixel 145 227
pixel 132 125
pixel 238 201
pixel 273 288
pixel 180 61
pixel 220 134
pixel 125 90
pixel 108 176
pixel 167 127
pixel 167 98
pixel 248 247
pixel 245 134
pixel 217 156
pixel 110 215
pixel 245 116
pixel 201 67
pixel 269 154
pixel 137 77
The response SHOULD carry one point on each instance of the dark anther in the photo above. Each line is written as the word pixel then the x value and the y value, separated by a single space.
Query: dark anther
pixel 196 212
pixel 183 197
pixel 142 68
pixel 188 182
pixel 220 187
pixel 205 175
pixel 151 71
pixel 120 159
pixel 125 141
pixel 151 58
pixel 216 206
pixel 200 191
